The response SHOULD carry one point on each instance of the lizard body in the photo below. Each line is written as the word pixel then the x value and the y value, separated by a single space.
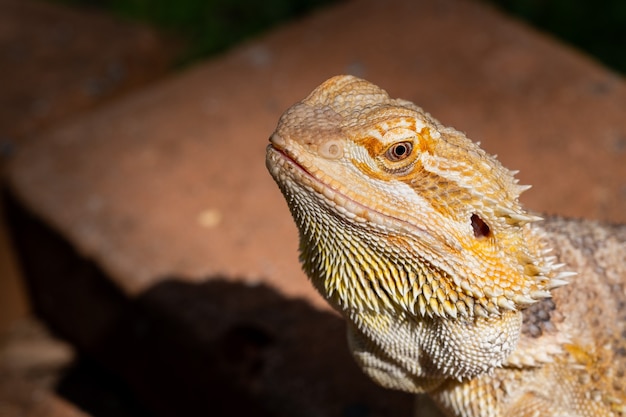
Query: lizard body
pixel 448 285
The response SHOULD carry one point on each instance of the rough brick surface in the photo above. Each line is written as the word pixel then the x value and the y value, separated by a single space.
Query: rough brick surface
pixel 171 182
pixel 57 61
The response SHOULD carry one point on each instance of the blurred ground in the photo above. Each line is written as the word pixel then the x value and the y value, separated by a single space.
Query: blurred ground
pixel 31 361
pixel 49 72
pixel 50 69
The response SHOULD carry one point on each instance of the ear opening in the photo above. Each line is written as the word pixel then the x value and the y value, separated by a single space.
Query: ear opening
pixel 481 229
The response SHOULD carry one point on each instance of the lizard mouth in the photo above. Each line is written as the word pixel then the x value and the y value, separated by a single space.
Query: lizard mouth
pixel 282 165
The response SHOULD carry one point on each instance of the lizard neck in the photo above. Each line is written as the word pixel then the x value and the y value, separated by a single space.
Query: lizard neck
pixel 372 284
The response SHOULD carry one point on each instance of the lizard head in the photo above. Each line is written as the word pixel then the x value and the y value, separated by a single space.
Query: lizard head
pixel 396 211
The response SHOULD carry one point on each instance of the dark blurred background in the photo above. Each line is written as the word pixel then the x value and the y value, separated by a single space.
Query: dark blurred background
pixel 211 26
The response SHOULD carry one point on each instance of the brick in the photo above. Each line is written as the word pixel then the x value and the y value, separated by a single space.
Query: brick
pixel 57 61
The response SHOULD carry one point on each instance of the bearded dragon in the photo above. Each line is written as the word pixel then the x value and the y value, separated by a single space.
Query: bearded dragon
pixel 448 285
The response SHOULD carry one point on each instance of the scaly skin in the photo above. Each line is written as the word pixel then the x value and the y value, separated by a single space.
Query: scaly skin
pixel 448 285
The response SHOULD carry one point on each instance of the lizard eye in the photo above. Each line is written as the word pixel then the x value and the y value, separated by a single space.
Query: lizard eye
pixel 399 151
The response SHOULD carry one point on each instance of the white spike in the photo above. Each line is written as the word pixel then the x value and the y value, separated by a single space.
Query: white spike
pixel 565 274
pixel 550 260
pixel 556 283
pixel 505 303
pixel 422 305
pixel 412 308
pixel 544 270
pixel 524 300
pixel 461 308
pixel 492 309
pixel 490 201
pixel 450 309
pixel 479 311
pixel 540 294
pixel 532 218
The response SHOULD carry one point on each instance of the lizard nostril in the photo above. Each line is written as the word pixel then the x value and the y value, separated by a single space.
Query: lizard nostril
pixel 331 150
pixel 481 229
